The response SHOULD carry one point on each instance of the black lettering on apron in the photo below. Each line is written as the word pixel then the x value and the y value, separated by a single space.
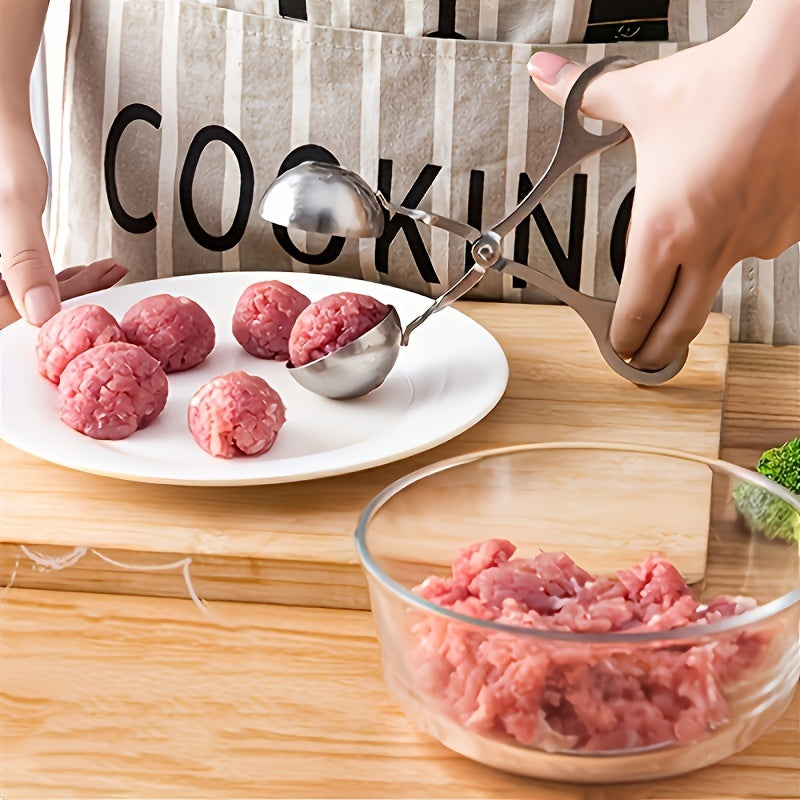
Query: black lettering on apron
pixel 233 236
pixel 446 29
pixel 474 211
pixel 125 117
pixel 622 20
pixel 569 263
pixel 399 222
pixel 293 9
pixel 619 235
pixel 308 152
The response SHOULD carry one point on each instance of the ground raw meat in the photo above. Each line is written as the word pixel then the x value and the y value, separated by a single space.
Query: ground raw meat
pixel 236 414
pixel 572 695
pixel 174 330
pixel 264 316
pixel 332 323
pixel 71 332
pixel 111 391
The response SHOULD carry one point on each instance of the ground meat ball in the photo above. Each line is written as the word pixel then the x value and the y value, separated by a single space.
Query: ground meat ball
pixel 264 317
pixel 573 695
pixel 71 332
pixel 174 330
pixel 111 391
pixel 332 323
pixel 236 414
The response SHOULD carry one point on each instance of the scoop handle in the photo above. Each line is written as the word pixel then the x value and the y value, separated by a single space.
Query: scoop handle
pixel 468 281
pixel 428 218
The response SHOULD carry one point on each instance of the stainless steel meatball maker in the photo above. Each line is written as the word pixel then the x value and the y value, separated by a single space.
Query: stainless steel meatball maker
pixel 327 199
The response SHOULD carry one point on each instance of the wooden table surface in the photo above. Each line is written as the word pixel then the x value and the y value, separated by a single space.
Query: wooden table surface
pixel 105 695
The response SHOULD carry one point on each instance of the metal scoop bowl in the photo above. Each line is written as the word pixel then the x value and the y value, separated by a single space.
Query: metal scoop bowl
pixel 325 198
pixel 363 365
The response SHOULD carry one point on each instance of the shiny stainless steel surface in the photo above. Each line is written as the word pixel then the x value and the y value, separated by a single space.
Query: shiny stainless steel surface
pixel 597 315
pixel 323 198
pixel 357 368
pixel 575 143
pixel 329 199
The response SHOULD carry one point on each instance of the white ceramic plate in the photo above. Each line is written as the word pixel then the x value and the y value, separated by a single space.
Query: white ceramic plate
pixel 449 377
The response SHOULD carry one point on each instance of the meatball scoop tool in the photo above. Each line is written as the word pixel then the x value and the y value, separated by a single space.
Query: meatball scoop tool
pixel 323 198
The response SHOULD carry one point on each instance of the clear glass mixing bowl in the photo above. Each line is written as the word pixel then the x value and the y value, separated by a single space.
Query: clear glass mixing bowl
pixel 532 701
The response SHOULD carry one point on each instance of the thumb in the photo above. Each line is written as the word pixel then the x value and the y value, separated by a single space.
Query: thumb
pixel 25 265
pixel 604 97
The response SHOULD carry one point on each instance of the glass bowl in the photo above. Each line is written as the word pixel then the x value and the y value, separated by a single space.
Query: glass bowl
pixel 653 696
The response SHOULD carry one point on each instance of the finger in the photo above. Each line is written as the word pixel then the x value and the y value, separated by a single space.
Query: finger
pixel 99 275
pixel 72 282
pixel 648 278
pixel 25 265
pixel 606 97
pixel 682 319
pixel 8 311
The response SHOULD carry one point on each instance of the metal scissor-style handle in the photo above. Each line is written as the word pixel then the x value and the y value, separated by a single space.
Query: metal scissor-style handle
pixel 596 314
pixel 575 143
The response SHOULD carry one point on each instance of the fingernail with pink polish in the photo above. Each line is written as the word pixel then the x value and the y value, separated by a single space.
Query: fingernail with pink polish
pixel 546 66
pixel 40 304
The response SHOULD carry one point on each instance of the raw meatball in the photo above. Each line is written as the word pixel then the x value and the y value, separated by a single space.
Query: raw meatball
pixel 264 317
pixel 236 414
pixel 111 391
pixel 174 330
pixel 332 323
pixel 71 332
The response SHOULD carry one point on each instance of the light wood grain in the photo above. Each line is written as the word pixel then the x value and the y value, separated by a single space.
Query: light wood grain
pixel 762 401
pixel 292 543
pixel 108 696
pixel 113 696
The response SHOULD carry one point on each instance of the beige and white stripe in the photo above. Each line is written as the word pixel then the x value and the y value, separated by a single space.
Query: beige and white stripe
pixel 487 20
pixel 168 162
pixel 732 298
pixel 444 99
pixel 369 146
pixel 516 148
pixel 562 21
pixel 764 299
pixel 301 110
pixel 414 17
pixel 591 168
pixel 232 116
pixel 340 13
pixel 62 226
pixel 110 103
pixel 698 20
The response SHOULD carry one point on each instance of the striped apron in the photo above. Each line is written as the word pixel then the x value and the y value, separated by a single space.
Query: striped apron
pixel 174 115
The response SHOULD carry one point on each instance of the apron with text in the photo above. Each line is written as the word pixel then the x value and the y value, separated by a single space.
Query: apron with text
pixel 178 114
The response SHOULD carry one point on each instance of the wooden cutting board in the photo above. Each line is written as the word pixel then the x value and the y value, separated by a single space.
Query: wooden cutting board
pixel 292 543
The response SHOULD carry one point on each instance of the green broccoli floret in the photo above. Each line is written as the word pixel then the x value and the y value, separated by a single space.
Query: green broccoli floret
pixel 766 513
pixel 782 465
pixel 763 511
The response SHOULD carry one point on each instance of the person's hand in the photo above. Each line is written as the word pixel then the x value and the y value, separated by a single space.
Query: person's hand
pixel 71 282
pixel 28 286
pixel 25 263
pixel 716 130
